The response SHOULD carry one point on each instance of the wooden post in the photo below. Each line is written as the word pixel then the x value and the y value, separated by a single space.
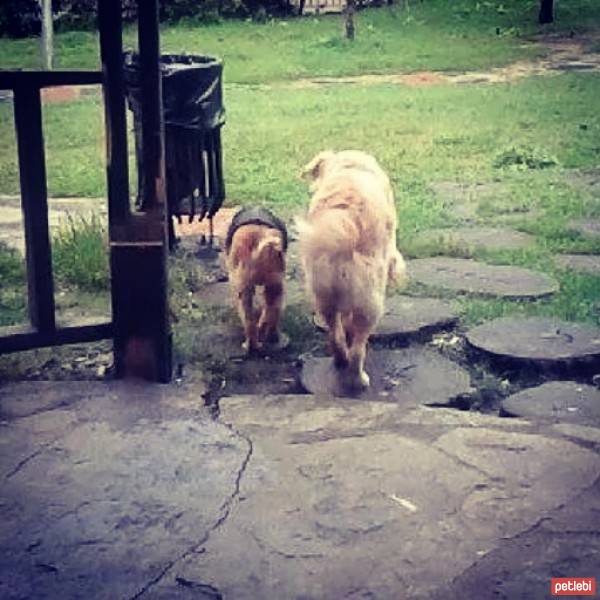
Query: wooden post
pixel 34 203
pixel 47 39
pixel 111 53
pixel 349 19
pixel 546 14
pixel 142 340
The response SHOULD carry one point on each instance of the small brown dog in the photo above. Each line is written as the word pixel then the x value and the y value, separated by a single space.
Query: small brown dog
pixel 348 251
pixel 255 257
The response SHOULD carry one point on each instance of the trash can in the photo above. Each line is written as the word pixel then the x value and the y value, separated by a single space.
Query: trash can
pixel 192 91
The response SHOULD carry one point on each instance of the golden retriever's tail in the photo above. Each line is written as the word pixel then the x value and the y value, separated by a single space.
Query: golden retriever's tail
pixel 332 232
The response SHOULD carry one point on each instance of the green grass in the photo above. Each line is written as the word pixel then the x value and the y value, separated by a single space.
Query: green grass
pixel 13 305
pixel 436 34
pixel 80 254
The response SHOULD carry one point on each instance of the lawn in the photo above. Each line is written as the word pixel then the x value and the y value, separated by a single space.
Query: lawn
pixel 432 34
pixel 425 137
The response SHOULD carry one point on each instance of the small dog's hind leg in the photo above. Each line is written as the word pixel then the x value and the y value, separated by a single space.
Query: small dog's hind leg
pixel 248 317
pixel 268 326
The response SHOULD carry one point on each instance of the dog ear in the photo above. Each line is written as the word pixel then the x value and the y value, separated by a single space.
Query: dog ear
pixel 312 170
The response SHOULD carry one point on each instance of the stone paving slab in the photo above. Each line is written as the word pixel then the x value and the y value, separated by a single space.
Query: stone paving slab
pixel 561 544
pixel 473 277
pixel 335 503
pixel 409 376
pixel 587 227
pixel 133 491
pixel 100 495
pixel 584 263
pixel 469 239
pixel 539 339
pixel 407 317
pixel 556 401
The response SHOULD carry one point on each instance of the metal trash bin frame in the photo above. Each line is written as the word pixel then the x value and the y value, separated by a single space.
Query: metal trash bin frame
pixel 192 91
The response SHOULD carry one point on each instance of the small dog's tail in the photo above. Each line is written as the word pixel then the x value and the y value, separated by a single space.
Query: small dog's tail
pixel 332 232
pixel 269 253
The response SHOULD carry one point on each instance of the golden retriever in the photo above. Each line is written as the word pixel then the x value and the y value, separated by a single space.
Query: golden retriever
pixel 348 251
pixel 255 258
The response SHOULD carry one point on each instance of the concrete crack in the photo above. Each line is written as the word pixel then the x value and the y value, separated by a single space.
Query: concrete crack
pixel 225 510
pixel 463 463
pixel 24 462
pixel 529 530
pixel 37 452
pixel 264 546
pixel 207 590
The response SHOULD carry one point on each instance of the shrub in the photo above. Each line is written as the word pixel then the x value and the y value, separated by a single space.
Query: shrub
pixel 521 158
pixel 80 253
pixel 19 18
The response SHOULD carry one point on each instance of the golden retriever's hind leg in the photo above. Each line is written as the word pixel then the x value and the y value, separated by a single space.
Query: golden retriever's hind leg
pixel 268 326
pixel 348 331
pixel 357 376
pixel 337 337
pixel 248 317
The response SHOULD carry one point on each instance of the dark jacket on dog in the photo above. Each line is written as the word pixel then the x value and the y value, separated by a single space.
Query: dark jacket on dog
pixel 255 216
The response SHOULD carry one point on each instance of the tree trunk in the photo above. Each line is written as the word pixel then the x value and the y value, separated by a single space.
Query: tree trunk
pixel 349 22
pixel 47 39
pixel 546 11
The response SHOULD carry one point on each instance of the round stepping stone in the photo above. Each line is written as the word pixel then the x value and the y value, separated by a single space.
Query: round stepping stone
pixel 585 263
pixel 470 276
pixel 407 317
pixel 536 339
pixel 472 238
pixel 587 227
pixel 413 375
pixel 556 401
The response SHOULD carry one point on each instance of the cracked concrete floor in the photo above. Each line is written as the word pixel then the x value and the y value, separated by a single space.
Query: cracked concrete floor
pixel 114 490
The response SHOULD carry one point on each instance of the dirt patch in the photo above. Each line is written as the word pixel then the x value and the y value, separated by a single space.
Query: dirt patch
pixel 559 54
pixel 220 225
pixel 59 95
pixel 11 223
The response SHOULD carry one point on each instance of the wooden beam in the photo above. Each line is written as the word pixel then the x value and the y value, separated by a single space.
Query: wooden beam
pixel 9 80
pixel 142 340
pixel 34 203
pixel 153 145
pixel 16 339
pixel 111 53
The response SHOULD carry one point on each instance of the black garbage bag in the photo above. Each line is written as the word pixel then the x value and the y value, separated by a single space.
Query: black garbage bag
pixel 193 113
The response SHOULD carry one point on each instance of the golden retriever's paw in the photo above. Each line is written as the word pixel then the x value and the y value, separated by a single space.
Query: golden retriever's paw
pixel 363 381
pixel 355 382
pixel 250 347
